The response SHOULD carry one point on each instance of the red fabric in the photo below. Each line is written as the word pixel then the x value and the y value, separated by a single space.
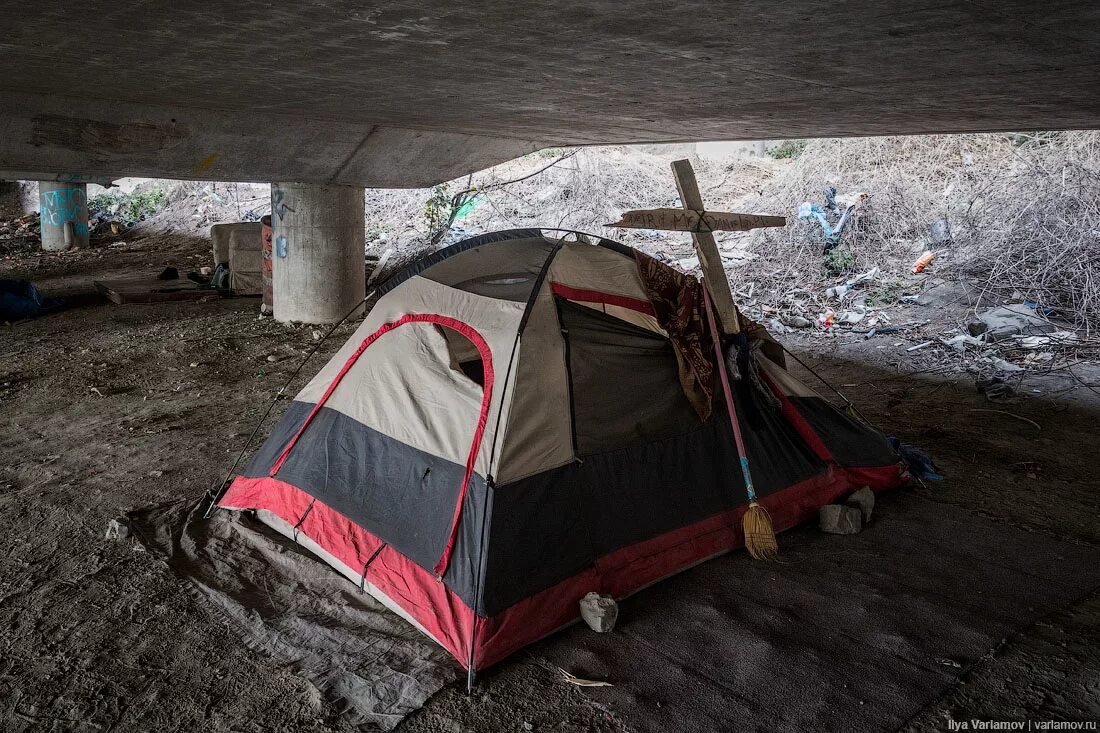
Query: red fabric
pixel 487 396
pixel 799 423
pixel 596 296
pixel 436 608
pixel 631 568
pixel 420 594
pixel 879 478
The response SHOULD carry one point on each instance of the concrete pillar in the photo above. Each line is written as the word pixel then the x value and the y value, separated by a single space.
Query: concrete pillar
pixel 64 215
pixel 11 199
pixel 318 264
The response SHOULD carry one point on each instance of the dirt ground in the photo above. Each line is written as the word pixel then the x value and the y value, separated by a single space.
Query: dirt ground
pixel 109 407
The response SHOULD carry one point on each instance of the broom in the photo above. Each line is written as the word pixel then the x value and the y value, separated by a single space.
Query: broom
pixel 756 524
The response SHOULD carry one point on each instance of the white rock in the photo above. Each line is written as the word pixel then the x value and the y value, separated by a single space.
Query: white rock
pixel 599 612
pixel 864 500
pixel 117 529
pixel 840 519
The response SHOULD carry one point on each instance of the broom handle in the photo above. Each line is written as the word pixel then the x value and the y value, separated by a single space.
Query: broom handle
pixel 729 396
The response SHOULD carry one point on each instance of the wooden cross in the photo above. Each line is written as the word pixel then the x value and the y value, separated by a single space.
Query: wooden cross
pixel 700 222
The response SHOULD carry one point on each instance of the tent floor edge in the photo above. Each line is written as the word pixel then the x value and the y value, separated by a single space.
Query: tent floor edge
pixel 444 618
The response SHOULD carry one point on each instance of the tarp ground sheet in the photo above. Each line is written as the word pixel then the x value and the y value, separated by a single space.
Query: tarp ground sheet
pixel 853 633
pixel 287 603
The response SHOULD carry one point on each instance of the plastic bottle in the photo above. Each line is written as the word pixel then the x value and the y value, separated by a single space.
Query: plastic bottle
pixel 924 261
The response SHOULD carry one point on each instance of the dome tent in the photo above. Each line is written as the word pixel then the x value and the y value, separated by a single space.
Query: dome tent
pixel 508 430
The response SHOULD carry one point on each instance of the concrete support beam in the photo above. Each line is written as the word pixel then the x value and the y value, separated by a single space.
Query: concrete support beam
pixel 11 199
pixel 318 263
pixel 64 215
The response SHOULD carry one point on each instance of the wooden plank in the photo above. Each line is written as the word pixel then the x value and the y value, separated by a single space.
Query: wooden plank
pixel 145 290
pixel 710 260
pixel 688 220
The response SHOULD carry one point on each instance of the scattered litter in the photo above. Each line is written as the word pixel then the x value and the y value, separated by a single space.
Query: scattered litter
pixel 960 341
pixel 995 389
pixel 940 231
pixel 977 328
pixel 826 320
pixel 1004 366
pixel 852 316
pixel 795 321
pixel 924 261
pixel 580 682
pixel 919 462
pixel 839 208
pixel 20 299
pixel 1010 320
pixel 839 291
pixel 920 346
pixel 1058 338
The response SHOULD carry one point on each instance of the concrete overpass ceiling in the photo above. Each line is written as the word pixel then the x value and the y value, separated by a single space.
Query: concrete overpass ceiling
pixel 408 93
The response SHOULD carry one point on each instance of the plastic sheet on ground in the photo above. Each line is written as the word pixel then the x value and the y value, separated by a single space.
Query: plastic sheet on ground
pixel 854 633
pixel 286 603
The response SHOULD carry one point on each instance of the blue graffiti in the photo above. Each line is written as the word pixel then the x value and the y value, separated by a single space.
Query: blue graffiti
pixel 277 204
pixel 280 246
pixel 64 205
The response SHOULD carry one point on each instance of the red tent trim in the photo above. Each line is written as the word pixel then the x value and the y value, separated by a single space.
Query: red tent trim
pixel 487 396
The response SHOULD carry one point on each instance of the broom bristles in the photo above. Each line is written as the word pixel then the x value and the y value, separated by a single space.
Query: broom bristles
pixel 756 525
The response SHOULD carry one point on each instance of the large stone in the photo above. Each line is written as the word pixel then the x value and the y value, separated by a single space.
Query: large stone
pixel 599 612
pixel 840 519
pixel 864 500
pixel 117 529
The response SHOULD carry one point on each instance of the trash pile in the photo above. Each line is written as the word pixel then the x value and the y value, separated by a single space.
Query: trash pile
pixel 1023 332
pixel 954 326
pixel 21 234
pixel 856 305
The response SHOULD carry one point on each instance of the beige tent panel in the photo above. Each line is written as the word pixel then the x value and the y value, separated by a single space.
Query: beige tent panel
pixel 790 384
pixel 631 316
pixel 539 435
pixel 597 268
pixel 404 384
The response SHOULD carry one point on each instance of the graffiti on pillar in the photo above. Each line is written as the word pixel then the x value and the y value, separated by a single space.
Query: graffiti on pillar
pixel 63 205
pixel 278 205
pixel 280 246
